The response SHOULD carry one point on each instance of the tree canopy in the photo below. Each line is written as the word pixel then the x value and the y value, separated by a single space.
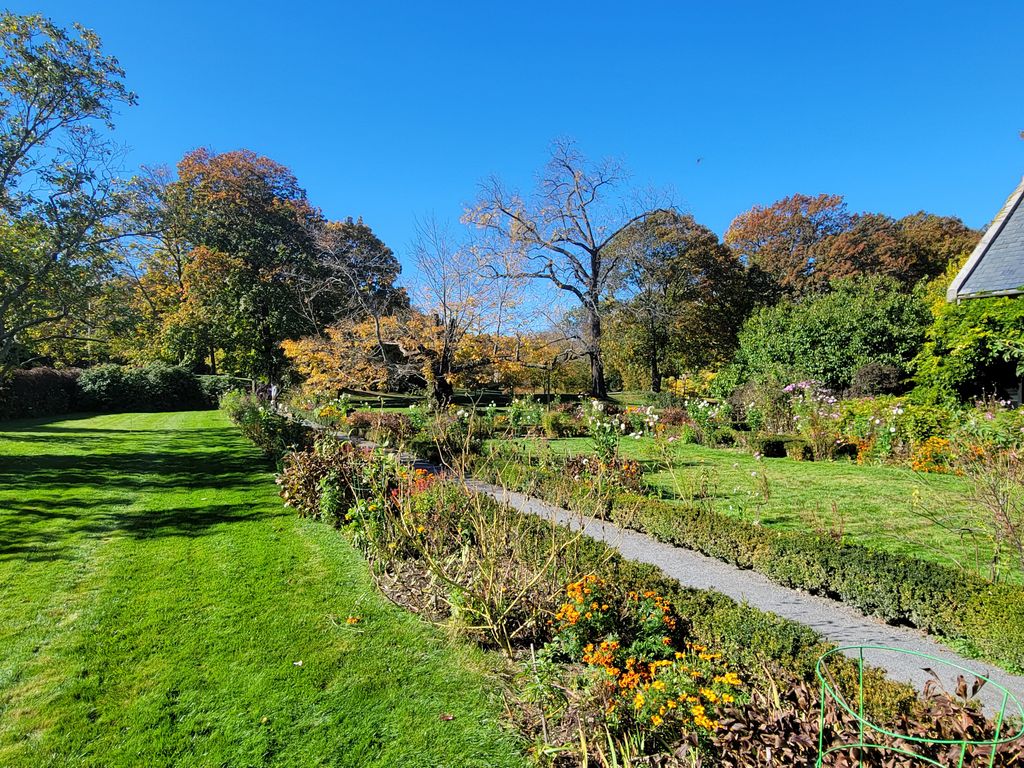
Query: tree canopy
pixel 60 197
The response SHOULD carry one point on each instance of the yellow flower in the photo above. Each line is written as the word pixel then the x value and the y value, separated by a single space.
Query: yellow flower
pixel 353 619
pixel 656 719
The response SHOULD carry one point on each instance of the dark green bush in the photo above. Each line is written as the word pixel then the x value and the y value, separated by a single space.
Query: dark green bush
pixel 38 392
pixel 169 388
pixel 769 446
pixel 156 387
pixel 215 387
pixel 112 388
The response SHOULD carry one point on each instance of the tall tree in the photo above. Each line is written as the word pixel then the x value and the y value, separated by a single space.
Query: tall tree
pixel 243 225
pixel 352 277
pixel 562 235
pixel 916 247
pixel 686 295
pixel 59 195
pixel 782 239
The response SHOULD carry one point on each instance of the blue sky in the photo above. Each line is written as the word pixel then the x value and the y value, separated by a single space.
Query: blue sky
pixel 394 111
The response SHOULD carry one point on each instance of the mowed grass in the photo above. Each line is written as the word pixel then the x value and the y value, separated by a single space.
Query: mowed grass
pixel 156 600
pixel 878 506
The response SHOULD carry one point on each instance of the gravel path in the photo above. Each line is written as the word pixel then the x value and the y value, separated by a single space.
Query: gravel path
pixel 833 620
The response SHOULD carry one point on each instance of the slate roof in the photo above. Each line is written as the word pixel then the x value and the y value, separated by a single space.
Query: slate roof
pixel 996 266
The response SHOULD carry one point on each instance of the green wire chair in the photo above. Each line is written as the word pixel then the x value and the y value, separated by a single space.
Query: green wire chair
pixel 829 691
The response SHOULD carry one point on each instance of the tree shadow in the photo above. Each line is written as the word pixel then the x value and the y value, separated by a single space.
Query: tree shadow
pixel 51 500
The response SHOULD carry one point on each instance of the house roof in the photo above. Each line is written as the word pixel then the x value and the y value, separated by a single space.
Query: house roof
pixel 996 265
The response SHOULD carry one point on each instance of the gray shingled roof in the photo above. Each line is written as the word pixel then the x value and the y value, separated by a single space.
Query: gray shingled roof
pixel 996 266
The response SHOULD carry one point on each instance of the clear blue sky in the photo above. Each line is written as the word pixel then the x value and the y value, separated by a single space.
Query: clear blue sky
pixel 394 111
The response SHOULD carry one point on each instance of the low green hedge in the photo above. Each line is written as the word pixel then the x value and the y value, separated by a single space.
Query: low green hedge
pixel 981 619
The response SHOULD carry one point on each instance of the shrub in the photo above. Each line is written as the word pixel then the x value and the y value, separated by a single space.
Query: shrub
pixel 769 446
pixel 273 433
pixel 38 392
pixel 215 387
pixel 564 422
pixel 113 388
pixel 447 438
pixel 674 417
pixel 168 388
pixel 876 378
pixel 157 387
pixel 799 450
pixel 723 437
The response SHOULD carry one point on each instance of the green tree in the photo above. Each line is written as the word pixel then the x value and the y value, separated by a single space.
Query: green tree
pixel 242 261
pixel 828 337
pixel 59 196
pixel 686 298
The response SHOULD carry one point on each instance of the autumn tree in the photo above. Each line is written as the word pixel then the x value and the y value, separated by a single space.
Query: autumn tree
pixel 685 296
pixel 59 195
pixel 782 239
pixel 561 235
pixel 803 243
pixel 916 247
pixel 459 331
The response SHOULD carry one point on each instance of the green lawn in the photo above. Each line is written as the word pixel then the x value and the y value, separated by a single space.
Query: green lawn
pixel 875 505
pixel 156 598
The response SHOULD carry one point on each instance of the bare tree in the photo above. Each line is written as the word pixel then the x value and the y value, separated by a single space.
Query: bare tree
pixel 562 235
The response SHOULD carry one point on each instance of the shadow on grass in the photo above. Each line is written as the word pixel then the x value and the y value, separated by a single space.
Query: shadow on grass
pixel 49 500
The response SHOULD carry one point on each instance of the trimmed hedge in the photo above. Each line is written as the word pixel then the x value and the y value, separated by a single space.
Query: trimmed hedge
pixel 982 619
pixel 38 392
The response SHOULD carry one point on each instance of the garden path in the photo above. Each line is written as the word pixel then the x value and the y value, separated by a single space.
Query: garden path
pixel 836 622
pixel 833 620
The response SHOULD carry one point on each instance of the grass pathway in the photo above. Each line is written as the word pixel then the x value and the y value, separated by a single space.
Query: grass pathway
pixel 155 598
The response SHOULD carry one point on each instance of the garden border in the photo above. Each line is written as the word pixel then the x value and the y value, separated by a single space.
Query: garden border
pixel 834 621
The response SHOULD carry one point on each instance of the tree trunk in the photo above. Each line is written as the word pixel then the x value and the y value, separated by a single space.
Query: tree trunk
pixel 441 391
pixel 598 388
pixel 655 371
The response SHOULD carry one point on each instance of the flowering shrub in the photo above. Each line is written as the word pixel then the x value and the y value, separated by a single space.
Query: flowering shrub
pixel 707 418
pixel 606 427
pixel 524 413
pixel 270 431
pixel 816 417
pixel 933 455
pixel 604 430
pixel 333 412
pixel 645 676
